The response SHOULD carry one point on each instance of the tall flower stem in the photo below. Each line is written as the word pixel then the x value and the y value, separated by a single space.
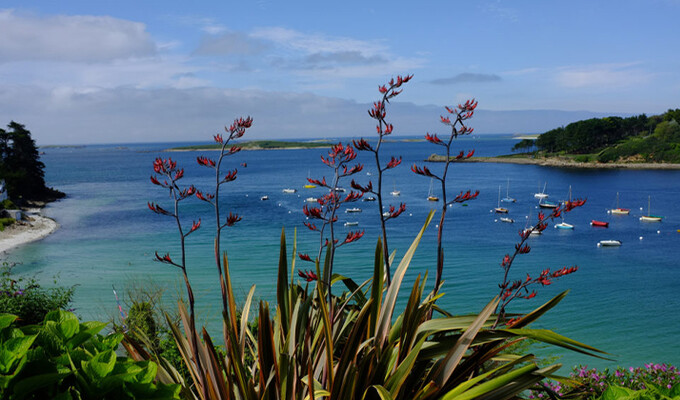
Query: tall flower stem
pixel 379 112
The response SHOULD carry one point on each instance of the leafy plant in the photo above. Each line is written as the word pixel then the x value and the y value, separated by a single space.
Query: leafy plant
pixel 350 344
pixel 27 299
pixel 65 359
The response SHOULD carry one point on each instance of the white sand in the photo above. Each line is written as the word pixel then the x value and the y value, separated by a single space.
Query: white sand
pixel 35 227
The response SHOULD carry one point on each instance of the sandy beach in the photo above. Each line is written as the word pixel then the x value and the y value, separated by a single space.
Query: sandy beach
pixel 34 227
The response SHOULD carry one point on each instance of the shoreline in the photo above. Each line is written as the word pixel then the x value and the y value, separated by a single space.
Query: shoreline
pixel 33 228
pixel 559 163
pixel 251 148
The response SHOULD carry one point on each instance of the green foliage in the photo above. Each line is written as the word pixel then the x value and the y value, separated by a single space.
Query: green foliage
pixel 20 166
pixel 4 222
pixel 29 301
pixel 65 359
pixel 7 205
pixel 141 318
pixel 524 145
pixel 355 346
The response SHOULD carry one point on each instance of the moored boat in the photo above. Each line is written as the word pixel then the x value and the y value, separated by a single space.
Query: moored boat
pixel 600 224
pixel 289 190
pixel 499 209
pixel 564 225
pixel 311 199
pixel 431 196
pixel 351 223
pixel 649 217
pixel 370 198
pixel 353 210
pixel 507 198
pixel 547 204
pixel 265 197
pixel 541 194
pixel 618 210
pixel 609 243
pixel 507 219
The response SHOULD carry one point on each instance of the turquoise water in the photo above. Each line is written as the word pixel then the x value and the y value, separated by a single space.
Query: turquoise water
pixel 623 300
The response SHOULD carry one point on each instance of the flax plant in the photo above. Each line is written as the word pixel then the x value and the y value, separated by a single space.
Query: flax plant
pixel 459 114
pixel 383 128
pixel 316 345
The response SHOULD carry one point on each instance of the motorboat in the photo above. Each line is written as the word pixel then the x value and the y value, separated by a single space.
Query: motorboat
pixel 600 224
pixel 288 190
pixel 265 197
pixel 609 243
pixel 353 210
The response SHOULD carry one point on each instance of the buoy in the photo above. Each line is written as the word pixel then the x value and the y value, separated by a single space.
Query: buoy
pixel 410 215
pixel 640 237
pixel 658 232
pixel 495 220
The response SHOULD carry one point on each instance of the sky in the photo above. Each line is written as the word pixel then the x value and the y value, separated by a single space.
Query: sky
pixel 130 71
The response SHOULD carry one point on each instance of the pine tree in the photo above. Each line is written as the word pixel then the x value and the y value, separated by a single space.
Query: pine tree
pixel 20 166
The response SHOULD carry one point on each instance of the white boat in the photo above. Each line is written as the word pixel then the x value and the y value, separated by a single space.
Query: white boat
pixel 649 217
pixel 395 192
pixel 507 198
pixel 564 225
pixel 370 198
pixel 618 210
pixel 534 232
pixel 542 194
pixel 609 243
pixel 353 210
pixel 507 219
pixel 340 190
pixel 311 200
pixel 265 197
pixel 499 209
pixel 288 190
pixel 431 196
pixel 386 214
pixel 351 223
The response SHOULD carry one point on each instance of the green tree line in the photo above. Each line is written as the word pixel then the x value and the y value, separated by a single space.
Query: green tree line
pixel 655 138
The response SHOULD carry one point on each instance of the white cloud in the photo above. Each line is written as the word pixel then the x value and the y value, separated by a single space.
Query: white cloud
pixel 71 38
pixel 603 76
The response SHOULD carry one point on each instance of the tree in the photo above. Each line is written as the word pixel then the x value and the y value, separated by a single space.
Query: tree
pixel 20 166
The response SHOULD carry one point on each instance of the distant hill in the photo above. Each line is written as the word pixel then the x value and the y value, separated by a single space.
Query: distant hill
pixel 258 145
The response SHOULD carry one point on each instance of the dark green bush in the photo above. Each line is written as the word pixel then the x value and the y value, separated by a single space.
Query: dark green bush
pixel 4 222
pixel 7 205
pixel 30 302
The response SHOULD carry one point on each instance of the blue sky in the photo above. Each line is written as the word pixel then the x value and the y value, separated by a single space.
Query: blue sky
pixel 88 72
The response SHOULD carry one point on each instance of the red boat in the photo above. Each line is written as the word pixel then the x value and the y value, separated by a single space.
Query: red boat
pixel 601 224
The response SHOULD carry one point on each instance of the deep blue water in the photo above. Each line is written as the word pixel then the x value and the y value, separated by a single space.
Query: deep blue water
pixel 623 300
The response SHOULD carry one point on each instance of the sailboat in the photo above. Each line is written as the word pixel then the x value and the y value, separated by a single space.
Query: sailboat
pixel 507 198
pixel 309 185
pixel 649 217
pixel 499 209
pixel 541 194
pixel 431 196
pixel 395 192
pixel 618 210
pixel 564 225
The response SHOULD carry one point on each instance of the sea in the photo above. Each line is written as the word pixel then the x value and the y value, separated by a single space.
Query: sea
pixel 623 300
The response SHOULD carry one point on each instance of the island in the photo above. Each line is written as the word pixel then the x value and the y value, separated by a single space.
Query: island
pixel 637 142
pixel 258 145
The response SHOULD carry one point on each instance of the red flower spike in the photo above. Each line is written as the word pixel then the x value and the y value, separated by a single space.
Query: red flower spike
pixel 179 174
pixel 312 212
pixel 393 163
pixel 362 145
pixel 158 209
pixel 218 138
pixel 164 259
pixel 154 180
pixel 232 219
pixel 506 260
pixel 446 120
pixel 311 227
pixel 382 89
pixel 433 138
pixel 541 216
pixel 401 209
pixel 421 171
pixel 304 257
pixel 309 276
pixel 360 188
pixel 195 225
pixel 388 129
pixel 460 155
pixel 230 176
pixel 530 295
pixel 470 154
pixel 353 236
pixel 234 149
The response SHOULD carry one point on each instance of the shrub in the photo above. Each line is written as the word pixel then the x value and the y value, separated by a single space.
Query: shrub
pixel 7 205
pixel 4 222
pixel 28 300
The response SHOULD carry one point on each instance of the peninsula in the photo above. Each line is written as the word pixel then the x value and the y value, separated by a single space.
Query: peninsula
pixel 258 145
